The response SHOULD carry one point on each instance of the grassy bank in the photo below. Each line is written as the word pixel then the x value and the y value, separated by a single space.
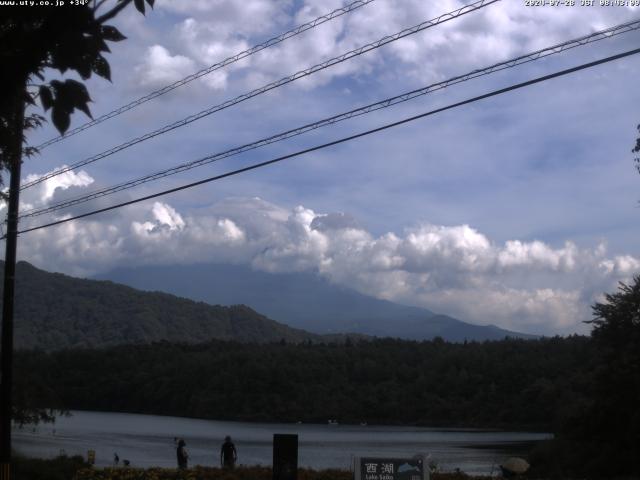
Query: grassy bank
pixel 75 468
pixel 243 473
pixel 60 468
pixel 202 473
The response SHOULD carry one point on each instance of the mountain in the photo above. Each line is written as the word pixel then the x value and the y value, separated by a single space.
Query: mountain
pixel 304 300
pixel 55 311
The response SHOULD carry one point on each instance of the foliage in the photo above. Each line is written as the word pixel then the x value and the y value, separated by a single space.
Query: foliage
pixel 54 311
pixel 601 438
pixel 37 39
pixel 614 418
pixel 60 468
pixel 636 149
pixel 204 473
pixel 34 40
pixel 241 473
pixel 76 468
pixel 34 403
pixel 511 383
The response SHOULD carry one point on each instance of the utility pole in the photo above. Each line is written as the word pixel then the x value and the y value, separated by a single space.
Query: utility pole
pixel 14 157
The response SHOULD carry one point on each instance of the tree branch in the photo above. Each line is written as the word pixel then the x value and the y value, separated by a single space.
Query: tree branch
pixel 113 12
pixel 97 5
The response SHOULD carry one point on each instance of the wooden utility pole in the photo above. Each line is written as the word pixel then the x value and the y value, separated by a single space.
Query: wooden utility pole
pixel 14 157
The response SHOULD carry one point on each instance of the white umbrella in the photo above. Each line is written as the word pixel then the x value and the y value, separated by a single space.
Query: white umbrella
pixel 516 465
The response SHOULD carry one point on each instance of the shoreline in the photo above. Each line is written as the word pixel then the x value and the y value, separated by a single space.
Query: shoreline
pixel 434 428
pixel 148 441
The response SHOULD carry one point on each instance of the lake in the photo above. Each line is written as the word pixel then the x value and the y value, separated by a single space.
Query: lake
pixel 148 440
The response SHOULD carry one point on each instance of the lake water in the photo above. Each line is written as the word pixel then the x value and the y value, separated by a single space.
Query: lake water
pixel 147 440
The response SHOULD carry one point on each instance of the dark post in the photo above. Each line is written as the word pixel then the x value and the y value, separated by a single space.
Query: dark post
pixel 285 457
pixel 6 365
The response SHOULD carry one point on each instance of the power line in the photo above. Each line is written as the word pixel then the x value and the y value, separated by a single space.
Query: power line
pixel 342 140
pixel 283 81
pixel 585 40
pixel 212 68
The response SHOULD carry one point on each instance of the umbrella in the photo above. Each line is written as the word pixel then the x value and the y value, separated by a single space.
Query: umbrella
pixel 516 465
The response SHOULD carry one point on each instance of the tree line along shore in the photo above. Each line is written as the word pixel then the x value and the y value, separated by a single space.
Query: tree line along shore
pixel 514 384
pixel 586 390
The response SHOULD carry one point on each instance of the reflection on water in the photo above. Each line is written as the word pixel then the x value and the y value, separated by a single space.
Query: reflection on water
pixel 147 440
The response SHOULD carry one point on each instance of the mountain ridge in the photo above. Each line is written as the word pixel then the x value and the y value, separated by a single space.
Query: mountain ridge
pixel 305 301
pixel 55 311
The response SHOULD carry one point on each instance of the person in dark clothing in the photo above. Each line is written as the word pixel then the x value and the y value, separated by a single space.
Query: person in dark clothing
pixel 228 454
pixel 182 454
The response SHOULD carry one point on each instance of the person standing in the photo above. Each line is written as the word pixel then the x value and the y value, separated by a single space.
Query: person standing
pixel 228 453
pixel 182 454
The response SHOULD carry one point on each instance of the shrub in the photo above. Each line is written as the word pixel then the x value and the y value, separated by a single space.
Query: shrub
pixel 60 468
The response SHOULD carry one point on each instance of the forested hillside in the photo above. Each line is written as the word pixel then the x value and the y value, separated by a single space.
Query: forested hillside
pixel 55 311
pixel 511 383
pixel 303 300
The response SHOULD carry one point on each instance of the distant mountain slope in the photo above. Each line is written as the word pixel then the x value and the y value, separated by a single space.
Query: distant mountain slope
pixel 304 301
pixel 55 311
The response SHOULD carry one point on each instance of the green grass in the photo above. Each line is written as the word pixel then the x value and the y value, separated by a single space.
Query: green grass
pixel 60 468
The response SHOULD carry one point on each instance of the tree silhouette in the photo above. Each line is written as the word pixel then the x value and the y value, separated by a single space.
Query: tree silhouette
pixel 636 149
pixel 34 41
pixel 615 418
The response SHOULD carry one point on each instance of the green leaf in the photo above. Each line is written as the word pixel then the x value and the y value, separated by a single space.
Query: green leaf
pixel 28 98
pixel 84 69
pixel 77 91
pixel 85 109
pixel 112 34
pixel 101 67
pixel 60 118
pixel 78 96
pixel 33 121
pixel 30 151
pixel 139 5
pixel 46 97
pixel 102 46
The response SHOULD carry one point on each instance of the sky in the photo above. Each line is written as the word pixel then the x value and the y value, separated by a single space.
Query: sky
pixel 520 210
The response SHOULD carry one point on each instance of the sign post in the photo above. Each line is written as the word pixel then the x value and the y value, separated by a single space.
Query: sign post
pixel 382 468
pixel 285 457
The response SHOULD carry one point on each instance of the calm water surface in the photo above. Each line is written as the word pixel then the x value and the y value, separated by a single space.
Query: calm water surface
pixel 147 440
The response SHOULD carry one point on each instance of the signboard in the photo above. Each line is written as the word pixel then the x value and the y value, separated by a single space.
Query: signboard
pixel 380 468
pixel 285 457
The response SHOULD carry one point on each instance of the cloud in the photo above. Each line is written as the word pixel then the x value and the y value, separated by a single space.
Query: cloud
pixel 224 18
pixel 506 202
pixel 623 265
pixel 537 255
pixel 166 218
pixel 160 68
pixel 213 31
pixel 334 221
pixel 53 189
pixel 453 269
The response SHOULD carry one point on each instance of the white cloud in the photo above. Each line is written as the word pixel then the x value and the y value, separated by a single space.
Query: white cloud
pixel 624 265
pixel 477 201
pixel 537 255
pixel 522 285
pixel 165 215
pixel 160 68
pixel 334 221
pixel 225 18
pixel 52 189
pixel 212 31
